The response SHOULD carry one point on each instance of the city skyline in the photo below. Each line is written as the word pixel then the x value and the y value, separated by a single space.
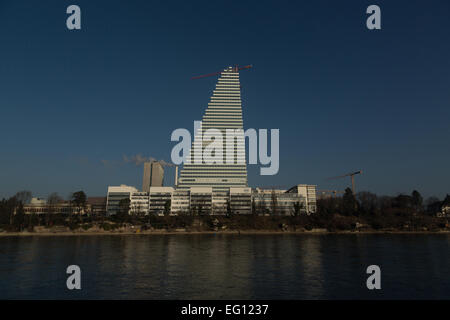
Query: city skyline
pixel 344 98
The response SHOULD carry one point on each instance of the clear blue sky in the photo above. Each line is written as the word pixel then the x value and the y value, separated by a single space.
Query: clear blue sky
pixel 344 98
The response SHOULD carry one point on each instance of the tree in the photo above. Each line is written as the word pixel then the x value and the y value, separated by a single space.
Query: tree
pixel 262 208
pixel 367 202
pixel 122 214
pixel 19 217
pixel 32 220
pixel 403 206
pixel 4 212
pixel 446 200
pixel 79 200
pixel 124 205
pixel 253 207
pixel 403 201
pixel 229 212
pixel 417 200
pixel 167 207
pixel 274 203
pixel 349 203
pixel 137 209
pixel 385 202
pixel 23 196
pixel 52 200
pixel 329 206
pixel 10 209
pixel 433 205
pixel 298 206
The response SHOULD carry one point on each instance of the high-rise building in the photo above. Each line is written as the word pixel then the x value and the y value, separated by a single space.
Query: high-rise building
pixel 224 112
pixel 210 182
pixel 153 176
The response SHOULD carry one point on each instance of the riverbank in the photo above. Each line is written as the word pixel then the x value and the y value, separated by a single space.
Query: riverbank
pixel 234 224
pixel 226 232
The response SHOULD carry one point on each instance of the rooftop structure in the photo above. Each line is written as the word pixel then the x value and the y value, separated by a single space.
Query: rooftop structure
pixel 153 175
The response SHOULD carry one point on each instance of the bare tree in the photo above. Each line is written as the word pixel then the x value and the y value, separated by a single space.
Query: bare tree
pixel 368 201
pixel 298 207
pixel 52 201
pixel 274 203
pixel 23 196
pixel 261 207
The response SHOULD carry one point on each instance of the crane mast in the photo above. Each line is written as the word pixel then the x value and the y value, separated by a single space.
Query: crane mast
pixel 352 176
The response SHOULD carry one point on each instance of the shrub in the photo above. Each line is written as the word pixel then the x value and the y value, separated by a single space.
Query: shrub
pixel 86 226
pixel 74 226
pixel 106 226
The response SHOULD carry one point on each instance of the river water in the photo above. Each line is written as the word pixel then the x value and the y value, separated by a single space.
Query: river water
pixel 214 266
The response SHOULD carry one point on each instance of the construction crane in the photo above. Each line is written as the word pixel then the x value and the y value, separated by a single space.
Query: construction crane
pixel 351 174
pixel 236 68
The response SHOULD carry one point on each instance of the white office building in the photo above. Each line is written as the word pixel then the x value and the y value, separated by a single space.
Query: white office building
pixel 160 200
pixel 139 203
pixel 115 194
pixel 224 112
pixel 300 199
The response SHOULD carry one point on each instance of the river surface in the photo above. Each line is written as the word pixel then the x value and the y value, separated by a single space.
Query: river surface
pixel 209 266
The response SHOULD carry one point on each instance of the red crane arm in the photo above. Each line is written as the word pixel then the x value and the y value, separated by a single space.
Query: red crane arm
pixel 206 75
pixel 237 68
pixel 345 175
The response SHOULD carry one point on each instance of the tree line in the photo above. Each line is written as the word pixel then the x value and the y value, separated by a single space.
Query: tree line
pixel 341 213
pixel 13 217
pixel 367 203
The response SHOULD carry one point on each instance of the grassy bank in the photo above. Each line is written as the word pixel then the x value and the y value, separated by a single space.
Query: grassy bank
pixel 318 223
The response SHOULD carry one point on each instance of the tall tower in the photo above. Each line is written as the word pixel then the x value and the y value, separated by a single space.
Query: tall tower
pixel 153 176
pixel 224 112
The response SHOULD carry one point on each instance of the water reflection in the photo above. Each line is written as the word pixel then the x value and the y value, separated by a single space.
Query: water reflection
pixel 310 264
pixel 226 266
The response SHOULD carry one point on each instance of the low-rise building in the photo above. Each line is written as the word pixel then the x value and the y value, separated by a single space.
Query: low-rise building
pixel 160 200
pixel 276 203
pixel 97 205
pixel 115 194
pixel 180 203
pixel 300 199
pixel 40 206
pixel 201 200
pixel 241 200
pixel 308 192
pixel 139 203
